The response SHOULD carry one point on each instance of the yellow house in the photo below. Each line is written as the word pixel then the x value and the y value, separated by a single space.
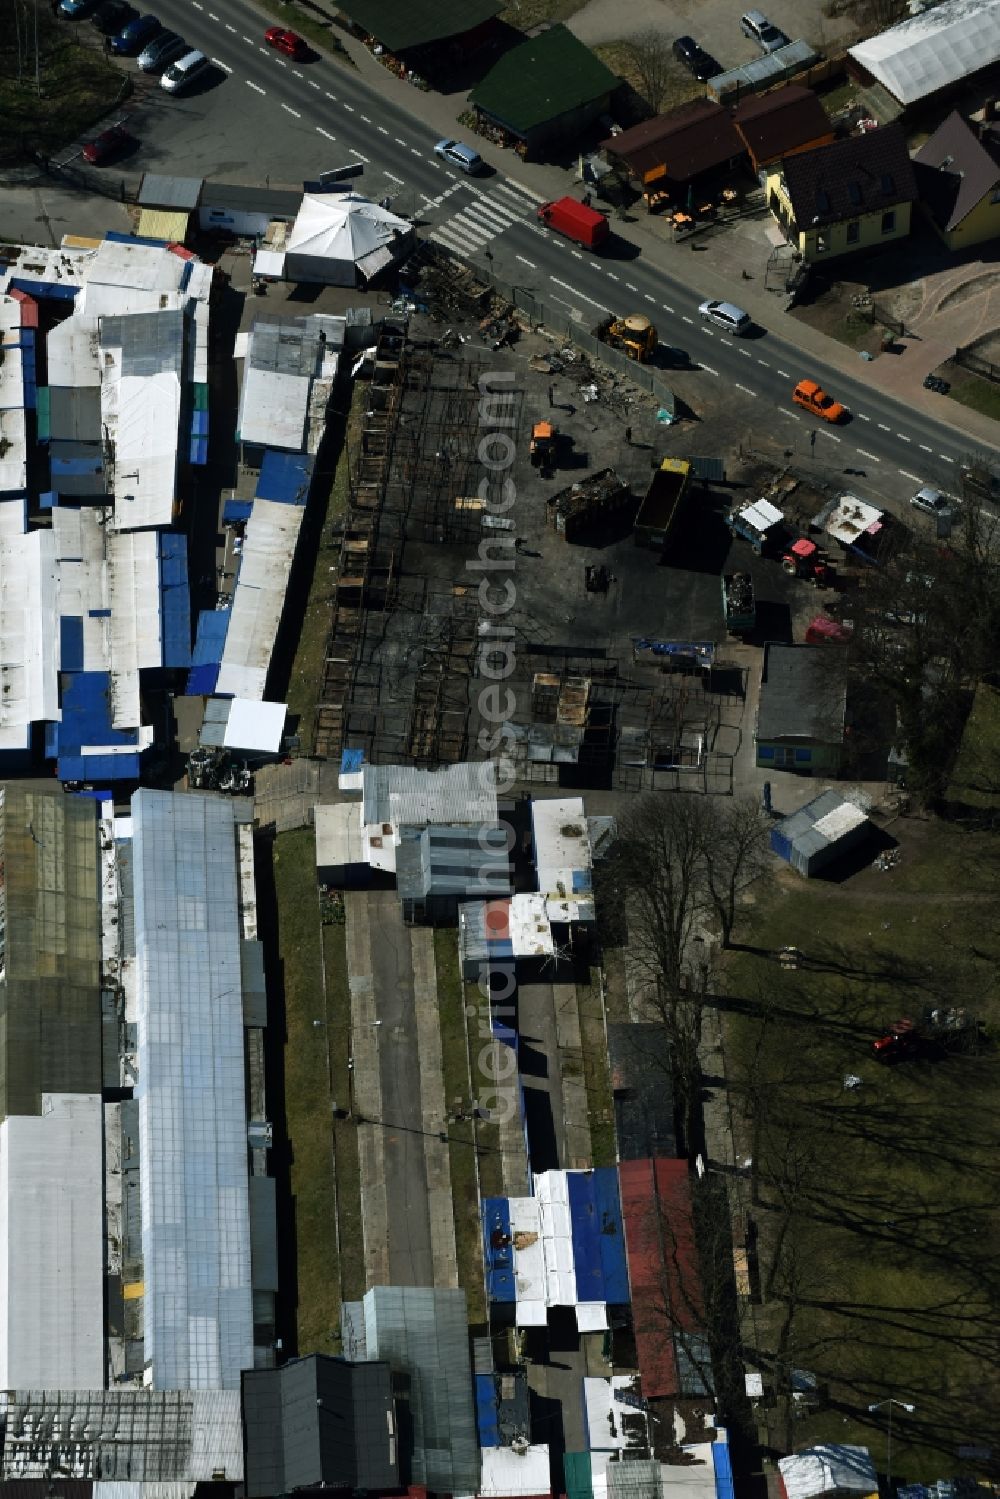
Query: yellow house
pixel 853 195
pixel 958 179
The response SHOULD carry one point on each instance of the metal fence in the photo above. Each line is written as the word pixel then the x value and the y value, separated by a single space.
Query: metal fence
pixel 966 360
pixel 581 336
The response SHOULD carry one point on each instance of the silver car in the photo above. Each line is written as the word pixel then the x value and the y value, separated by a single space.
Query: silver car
pixel 931 501
pixel 161 51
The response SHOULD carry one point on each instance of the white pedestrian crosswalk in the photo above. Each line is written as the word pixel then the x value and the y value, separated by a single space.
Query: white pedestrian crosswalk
pixel 486 217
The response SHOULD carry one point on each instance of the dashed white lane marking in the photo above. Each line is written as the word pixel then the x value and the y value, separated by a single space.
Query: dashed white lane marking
pixel 645 293
pixel 528 191
pixel 665 307
pixel 313 83
pixel 709 370
pixel 212 16
pixel 883 428
pixel 329 95
pixel 230 28
pixel 686 319
pixel 784 374
pixel 196 5
pixel 415 152
pixel 381 130
pixel 399 141
pixel 255 86
pixel 366 159
pixel 865 454
pixel 250 40
pixel 764 363
pixel 612 276
pixel 279 60
pixel 907 475
pixel 946 458
pixel 861 416
pixel 392 176
pixel 297 73
pixel 745 354
pixel 576 254
pixel 630 287
pixel 831 435
pixel 746 390
pixel 321 131
pixel 349 108
pixel 708 332
pixel 220 64
pixel 595 264
pixel 289 110
pixel 903 437
pixel 794 416
pixel 573 292
pixel 925 448
pixel 530 263
pixel 366 119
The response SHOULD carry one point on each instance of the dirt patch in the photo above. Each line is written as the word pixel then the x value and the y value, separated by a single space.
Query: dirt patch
pixel 841 310
pixel 976 286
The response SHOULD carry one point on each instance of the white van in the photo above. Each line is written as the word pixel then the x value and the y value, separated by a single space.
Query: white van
pixel 184 71
pixel 726 315
pixel 757 28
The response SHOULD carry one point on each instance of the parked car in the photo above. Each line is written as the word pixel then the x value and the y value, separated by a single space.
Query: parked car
pixel 185 71
pixel 77 8
pixel 812 397
pixel 110 17
pixel 697 61
pixel 136 35
pixel 162 50
pixel 110 144
pixel 931 501
pixel 755 25
pixel 288 42
pixel 726 315
pixel 458 155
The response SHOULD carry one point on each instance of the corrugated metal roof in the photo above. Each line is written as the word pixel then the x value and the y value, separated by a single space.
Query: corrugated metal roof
pixel 52 1236
pixel 160 191
pixel 831 1468
pixel 198 1317
pixel 425 1333
pixel 404 797
pixel 164 223
pixel 28 633
pixel 269 544
pixel 125 1437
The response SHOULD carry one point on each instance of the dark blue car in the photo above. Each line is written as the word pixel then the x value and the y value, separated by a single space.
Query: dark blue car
pixel 77 8
pixel 135 35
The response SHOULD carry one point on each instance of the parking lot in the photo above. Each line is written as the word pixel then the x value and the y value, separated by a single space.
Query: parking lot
pixel 714 23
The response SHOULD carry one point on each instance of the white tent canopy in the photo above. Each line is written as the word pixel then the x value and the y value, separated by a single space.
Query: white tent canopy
pixel 928 52
pixel 343 239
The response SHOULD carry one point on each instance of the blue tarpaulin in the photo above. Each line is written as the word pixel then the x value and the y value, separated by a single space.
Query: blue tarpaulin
pixel 614 1266
pixel 234 511
pixel 586 1236
pixel 723 1466
pixel 210 640
pixel 87 720
pixel 487 1416
pixel 176 600
pixel 351 760
pixel 71 642
pixel 202 679
pixel 498 1253
pixel 285 477
pixel 55 291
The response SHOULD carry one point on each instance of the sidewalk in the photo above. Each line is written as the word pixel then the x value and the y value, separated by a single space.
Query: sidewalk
pixel 713 271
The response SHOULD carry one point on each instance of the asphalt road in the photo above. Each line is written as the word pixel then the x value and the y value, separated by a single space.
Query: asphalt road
pixel 288 121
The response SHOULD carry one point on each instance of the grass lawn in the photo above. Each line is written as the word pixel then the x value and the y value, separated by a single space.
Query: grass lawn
pixel 306 678
pixel 597 1077
pixel 681 86
pixel 307 1094
pixel 527 13
pixel 78 86
pixel 462 1134
pixel 886 1193
pixel 974 783
pixel 978 395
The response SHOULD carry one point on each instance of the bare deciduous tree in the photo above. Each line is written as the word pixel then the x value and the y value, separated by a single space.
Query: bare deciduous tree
pixel 652 61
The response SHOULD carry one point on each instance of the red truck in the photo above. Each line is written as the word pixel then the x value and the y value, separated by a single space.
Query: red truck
pixel 585 225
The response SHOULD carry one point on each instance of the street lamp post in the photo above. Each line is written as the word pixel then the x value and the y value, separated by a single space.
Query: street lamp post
pixel 904 1405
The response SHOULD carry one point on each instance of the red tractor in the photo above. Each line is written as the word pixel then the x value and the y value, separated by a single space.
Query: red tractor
pixel 803 559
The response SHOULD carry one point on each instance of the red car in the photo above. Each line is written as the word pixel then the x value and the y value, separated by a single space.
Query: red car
pixel 106 146
pixel 288 42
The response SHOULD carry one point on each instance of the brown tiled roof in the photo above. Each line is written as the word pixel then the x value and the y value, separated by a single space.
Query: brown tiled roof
pixel 774 124
pixel 860 175
pixel 955 169
pixel 689 140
